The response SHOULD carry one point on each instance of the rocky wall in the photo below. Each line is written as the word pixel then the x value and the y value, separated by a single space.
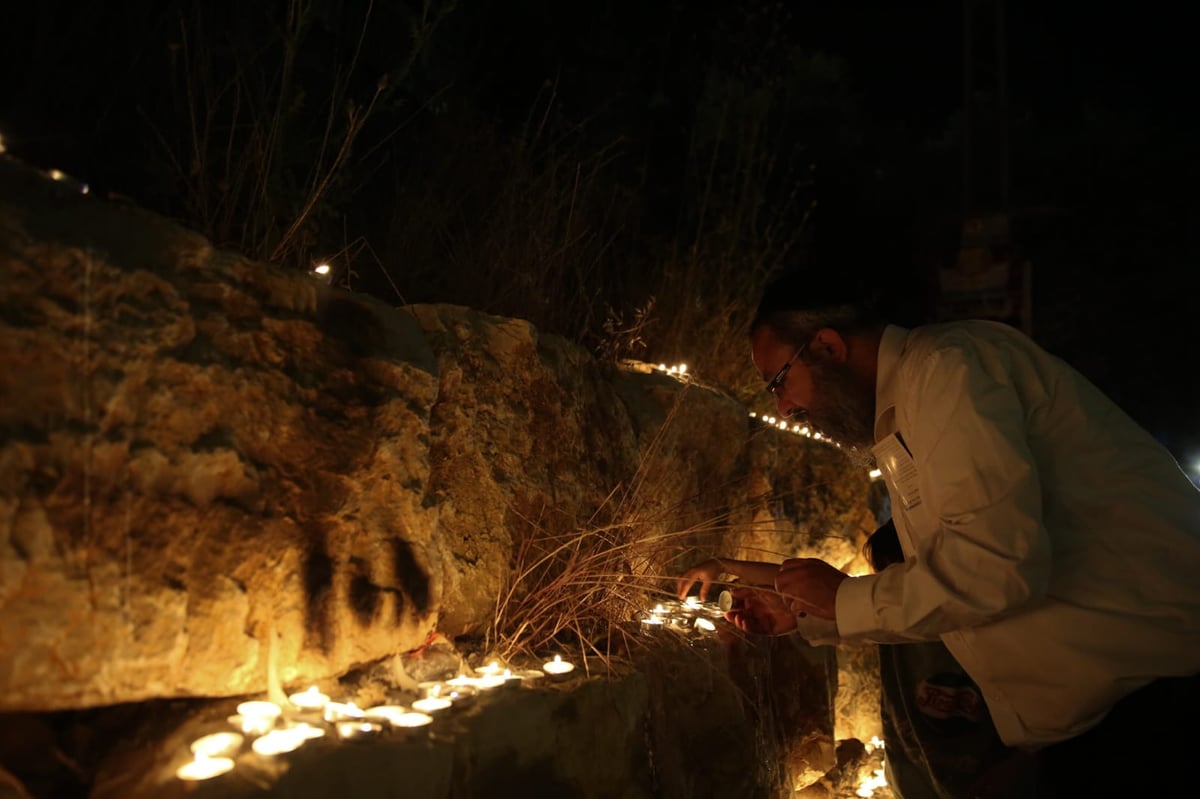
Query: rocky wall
pixel 214 473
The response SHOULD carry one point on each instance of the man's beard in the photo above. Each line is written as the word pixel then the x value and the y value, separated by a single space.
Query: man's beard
pixel 845 412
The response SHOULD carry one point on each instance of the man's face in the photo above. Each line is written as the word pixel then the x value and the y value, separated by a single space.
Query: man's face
pixel 823 392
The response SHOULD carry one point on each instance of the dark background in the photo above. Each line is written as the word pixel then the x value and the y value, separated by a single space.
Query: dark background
pixel 861 154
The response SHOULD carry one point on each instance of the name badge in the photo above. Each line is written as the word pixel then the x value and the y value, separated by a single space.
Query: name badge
pixel 896 463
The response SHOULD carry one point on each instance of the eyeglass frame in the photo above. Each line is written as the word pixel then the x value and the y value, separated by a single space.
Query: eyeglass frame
pixel 776 382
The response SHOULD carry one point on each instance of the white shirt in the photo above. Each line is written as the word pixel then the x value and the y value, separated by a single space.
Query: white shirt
pixel 1049 541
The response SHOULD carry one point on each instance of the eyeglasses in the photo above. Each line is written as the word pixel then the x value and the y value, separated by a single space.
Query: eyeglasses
pixel 776 382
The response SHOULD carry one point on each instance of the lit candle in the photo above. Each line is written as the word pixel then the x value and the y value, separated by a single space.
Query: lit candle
pixel 358 729
pixel 277 742
pixel 692 602
pixel 488 682
pixel 218 744
pixel 311 699
pixel 306 731
pixel 432 704
pixel 705 624
pixel 461 695
pixel 204 768
pixel 558 669
pixel 339 711
pixel 652 622
pixel 258 717
pixel 492 669
pixel 397 716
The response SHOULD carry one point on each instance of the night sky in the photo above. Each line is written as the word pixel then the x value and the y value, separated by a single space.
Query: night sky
pixel 1102 124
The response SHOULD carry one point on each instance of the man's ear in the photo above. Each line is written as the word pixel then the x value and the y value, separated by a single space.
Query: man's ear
pixel 830 345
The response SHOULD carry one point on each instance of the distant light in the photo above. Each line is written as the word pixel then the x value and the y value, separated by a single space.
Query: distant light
pixel 682 368
pixel 321 269
pixel 2 147
pixel 875 474
pixel 56 174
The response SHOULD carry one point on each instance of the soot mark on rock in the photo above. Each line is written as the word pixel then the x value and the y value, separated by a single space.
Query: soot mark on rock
pixel 364 596
pixel 411 578
pixel 318 584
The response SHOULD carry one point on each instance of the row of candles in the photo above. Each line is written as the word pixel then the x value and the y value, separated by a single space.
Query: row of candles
pixel 803 430
pixel 309 714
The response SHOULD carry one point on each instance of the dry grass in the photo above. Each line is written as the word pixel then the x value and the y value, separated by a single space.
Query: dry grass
pixel 586 588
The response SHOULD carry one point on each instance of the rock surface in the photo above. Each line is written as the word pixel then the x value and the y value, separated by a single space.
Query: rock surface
pixel 217 477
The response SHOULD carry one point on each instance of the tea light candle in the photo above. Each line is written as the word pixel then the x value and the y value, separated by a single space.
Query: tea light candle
pixel 411 719
pixel 258 717
pixel 432 704
pixel 692 602
pixel 342 711
pixel 277 742
pixel 705 625
pixel 306 731
pixel 204 768
pixel 558 669
pixel 492 669
pixel 397 716
pixel 218 744
pixel 652 622
pixel 358 729
pixel 488 682
pixel 311 699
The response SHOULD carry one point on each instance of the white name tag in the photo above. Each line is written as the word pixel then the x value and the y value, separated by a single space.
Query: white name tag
pixel 894 460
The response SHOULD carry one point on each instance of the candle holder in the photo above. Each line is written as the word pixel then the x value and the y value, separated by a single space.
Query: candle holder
pixel 342 711
pixel 218 744
pixel 399 718
pixel 558 669
pixel 277 742
pixel 652 624
pixel 204 768
pixel 432 704
pixel 358 729
pixel 310 700
pixel 258 718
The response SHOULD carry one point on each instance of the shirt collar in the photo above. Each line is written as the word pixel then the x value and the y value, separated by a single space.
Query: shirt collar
pixel 891 345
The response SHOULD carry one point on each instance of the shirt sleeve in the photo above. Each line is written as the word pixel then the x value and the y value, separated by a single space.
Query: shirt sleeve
pixel 988 552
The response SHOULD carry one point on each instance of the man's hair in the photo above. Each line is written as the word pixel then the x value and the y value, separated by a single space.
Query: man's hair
pixel 798 304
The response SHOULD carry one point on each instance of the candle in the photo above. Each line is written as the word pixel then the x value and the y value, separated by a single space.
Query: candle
pixel 432 704
pixel 706 625
pixel 358 729
pixel 558 669
pixel 218 744
pixel 692 602
pixel 258 717
pixel 306 731
pixel 652 622
pixel 339 711
pixel 277 742
pixel 310 699
pixel 397 716
pixel 204 768
pixel 433 700
pixel 492 669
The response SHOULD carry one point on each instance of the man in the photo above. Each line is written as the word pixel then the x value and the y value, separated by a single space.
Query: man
pixel 1049 542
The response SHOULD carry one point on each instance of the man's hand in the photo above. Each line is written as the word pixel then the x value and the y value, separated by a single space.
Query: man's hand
pixel 810 585
pixel 703 573
pixel 760 610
